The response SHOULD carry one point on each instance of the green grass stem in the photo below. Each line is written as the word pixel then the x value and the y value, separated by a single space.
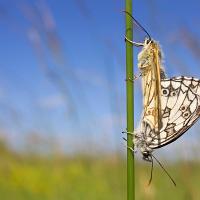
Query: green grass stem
pixel 130 103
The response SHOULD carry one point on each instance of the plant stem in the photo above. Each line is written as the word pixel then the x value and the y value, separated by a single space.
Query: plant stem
pixel 130 103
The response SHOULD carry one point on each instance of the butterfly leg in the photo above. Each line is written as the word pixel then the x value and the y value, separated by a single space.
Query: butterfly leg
pixel 137 44
pixel 137 76
pixel 130 148
pixel 134 133
pixel 127 132
pixel 134 78
pixel 135 136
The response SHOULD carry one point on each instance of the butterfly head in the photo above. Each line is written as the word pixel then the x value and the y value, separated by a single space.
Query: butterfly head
pixel 147 156
pixel 145 57
pixel 142 144
pixel 150 52
pixel 146 152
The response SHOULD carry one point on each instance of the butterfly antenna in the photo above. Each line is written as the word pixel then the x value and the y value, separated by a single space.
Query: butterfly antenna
pixel 151 176
pixel 164 169
pixel 138 24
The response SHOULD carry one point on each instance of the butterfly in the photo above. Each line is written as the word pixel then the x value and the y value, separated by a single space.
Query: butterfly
pixel 180 98
pixel 151 72
pixel 180 109
pixel 150 65
pixel 170 105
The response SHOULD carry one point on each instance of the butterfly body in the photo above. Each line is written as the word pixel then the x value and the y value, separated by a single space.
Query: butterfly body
pixel 150 65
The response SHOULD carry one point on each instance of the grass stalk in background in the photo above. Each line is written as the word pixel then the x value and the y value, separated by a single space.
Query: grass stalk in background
pixel 130 103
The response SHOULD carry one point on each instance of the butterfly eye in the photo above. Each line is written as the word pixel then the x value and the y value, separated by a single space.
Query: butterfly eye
pixel 165 92
pixel 147 40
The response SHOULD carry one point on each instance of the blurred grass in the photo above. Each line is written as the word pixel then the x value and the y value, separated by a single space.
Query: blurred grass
pixel 59 177
pixel 29 176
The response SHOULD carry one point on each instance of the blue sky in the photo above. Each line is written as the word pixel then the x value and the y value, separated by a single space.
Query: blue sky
pixel 62 66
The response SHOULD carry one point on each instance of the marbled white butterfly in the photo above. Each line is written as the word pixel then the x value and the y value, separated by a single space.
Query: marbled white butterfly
pixel 171 106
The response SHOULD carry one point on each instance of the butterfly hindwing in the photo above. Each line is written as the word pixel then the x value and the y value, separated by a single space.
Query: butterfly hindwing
pixel 180 110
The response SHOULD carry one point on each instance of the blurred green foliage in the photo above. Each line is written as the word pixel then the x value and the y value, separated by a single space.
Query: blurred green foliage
pixel 34 177
pixel 58 177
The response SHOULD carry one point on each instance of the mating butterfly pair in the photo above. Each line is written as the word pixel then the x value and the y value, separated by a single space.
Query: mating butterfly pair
pixel 170 105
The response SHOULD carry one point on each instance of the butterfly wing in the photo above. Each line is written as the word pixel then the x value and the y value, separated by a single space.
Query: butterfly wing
pixel 180 97
pixel 149 63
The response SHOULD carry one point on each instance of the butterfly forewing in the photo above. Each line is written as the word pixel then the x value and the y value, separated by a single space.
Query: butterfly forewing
pixel 149 64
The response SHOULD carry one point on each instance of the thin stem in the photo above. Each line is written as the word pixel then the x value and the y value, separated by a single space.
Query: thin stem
pixel 130 108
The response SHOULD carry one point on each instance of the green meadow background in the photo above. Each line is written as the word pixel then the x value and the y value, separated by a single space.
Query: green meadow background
pixel 57 176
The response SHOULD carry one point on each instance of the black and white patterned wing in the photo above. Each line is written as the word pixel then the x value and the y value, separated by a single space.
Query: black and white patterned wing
pixel 180 101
